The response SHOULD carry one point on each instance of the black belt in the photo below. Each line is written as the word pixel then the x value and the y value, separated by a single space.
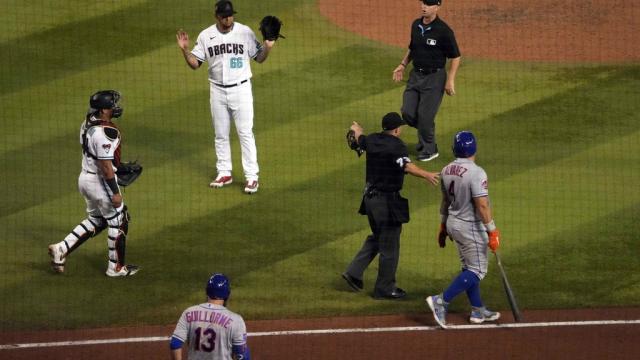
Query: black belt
pixel 375 192
pixel 232 85
pixel 89 172
pixel 428 71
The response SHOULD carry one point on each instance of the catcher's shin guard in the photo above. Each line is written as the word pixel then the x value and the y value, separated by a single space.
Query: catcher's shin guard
pixel 87 229
pixel 118 229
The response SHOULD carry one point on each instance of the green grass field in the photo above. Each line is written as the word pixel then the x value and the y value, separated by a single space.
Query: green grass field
pixel 561 145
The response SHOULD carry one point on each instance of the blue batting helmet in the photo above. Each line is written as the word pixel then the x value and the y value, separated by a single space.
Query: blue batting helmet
pixel 464 144
pixel 218 287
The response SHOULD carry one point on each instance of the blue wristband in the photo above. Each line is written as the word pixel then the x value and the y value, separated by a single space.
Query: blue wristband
pixel 175 343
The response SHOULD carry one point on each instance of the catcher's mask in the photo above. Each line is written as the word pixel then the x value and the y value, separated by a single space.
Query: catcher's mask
pixel 464 144
pixel 106 99
pixel 218 287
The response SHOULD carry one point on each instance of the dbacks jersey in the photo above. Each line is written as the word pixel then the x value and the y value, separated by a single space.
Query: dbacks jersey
pixel 461 181
pixel 228 54
pixel 101 141
pixel 209 331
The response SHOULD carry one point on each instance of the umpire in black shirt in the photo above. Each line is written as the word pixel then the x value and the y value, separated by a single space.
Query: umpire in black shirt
pixel 387 163
pixel 432 42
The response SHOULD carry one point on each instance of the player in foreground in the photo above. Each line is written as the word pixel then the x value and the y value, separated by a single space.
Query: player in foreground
pixel 210 329
pixel 467 220
pixel 100 139
pixel 228 47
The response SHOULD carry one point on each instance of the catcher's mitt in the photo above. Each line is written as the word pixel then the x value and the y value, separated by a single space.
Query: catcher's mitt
pixel 128 172
pixel 352 142
pixel 270 28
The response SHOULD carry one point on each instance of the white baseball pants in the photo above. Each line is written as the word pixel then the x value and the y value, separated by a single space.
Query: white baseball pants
pixel 234 103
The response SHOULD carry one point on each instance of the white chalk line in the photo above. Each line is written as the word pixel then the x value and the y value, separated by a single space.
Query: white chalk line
pixel 331 331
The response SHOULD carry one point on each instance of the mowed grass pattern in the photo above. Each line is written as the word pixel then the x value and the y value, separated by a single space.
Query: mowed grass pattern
pixel 559 142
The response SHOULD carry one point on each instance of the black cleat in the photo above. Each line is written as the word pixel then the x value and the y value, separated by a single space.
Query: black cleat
pixel 396 294
pixel 354 283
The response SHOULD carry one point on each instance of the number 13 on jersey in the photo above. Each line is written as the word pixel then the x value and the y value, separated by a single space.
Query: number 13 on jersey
pixel 235 63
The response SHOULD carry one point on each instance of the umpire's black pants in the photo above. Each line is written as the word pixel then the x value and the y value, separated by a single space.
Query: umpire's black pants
pixel 384 240
pixel 421 101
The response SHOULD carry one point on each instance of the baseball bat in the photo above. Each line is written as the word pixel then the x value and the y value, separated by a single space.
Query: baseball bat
pixel 507 288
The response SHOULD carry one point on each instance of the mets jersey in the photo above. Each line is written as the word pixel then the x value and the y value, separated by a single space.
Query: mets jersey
pixel 101 142
pixel 227 54
pixel 210 331
pixel 461 181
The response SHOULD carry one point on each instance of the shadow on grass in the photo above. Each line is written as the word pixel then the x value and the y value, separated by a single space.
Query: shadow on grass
pixel 165 135
pixel 591 264
pixel 274 226
pixel 77 46
pixel 45 56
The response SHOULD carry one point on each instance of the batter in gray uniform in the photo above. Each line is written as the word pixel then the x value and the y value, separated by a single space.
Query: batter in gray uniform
pixel 210 329
pixel 467 220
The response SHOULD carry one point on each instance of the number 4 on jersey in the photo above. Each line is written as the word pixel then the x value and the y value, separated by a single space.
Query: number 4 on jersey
pixel 451 191
pixel 236 63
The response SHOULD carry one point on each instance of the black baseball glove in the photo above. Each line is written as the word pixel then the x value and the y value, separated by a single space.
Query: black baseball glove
pixel 270 28
pixel 352 142
pixel 128 172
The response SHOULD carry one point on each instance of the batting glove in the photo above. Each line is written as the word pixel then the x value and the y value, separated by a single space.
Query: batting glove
pixel 494 240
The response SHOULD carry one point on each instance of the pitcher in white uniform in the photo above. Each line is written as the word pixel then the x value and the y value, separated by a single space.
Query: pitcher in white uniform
pixel 227 47
pixel 467 220
pixel 210 330
pixel 100 140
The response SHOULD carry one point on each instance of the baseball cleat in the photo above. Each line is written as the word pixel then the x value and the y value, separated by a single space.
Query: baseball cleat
pixel 480 315
pixel 123 270
pixel 251 187
pixel 396 294
pixel 428 157
pixel 439 309
pixel 355 284
pixel 221 181
pixel 57 258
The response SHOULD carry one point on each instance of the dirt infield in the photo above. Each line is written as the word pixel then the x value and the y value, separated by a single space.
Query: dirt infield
pixel 544 30
pixel 418 339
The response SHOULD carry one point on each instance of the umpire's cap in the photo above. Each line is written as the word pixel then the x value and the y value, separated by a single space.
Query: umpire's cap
pixel 432 2
pixel 464 144
pixel 224 8
pixel 218 287
pixel 392 121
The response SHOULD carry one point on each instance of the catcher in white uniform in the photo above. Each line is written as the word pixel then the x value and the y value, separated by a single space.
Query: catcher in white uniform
pixel 228 47
pixel 100 139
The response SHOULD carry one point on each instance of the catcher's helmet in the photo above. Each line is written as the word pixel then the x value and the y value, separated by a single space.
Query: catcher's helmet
pixel 464 144
pixel 218 287
pixel 106 99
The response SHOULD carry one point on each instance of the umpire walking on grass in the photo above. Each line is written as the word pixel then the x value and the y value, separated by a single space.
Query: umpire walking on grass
pixel 432 42
pixel 387 163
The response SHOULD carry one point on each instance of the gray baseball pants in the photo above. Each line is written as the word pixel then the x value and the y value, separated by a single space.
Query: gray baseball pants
pixel 384 241
pixel 421 101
